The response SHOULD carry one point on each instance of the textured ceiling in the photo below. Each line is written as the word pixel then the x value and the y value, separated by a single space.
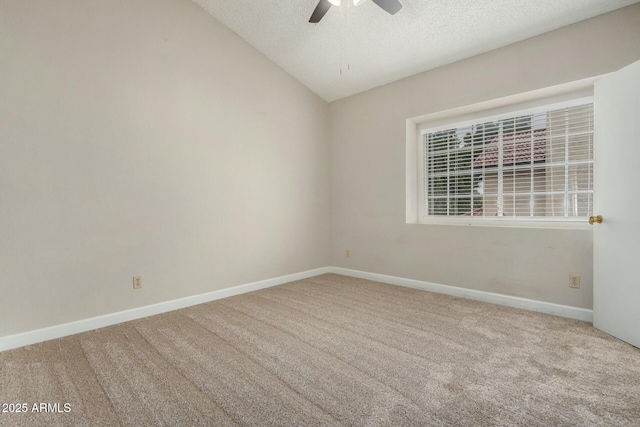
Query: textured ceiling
pixel 358 48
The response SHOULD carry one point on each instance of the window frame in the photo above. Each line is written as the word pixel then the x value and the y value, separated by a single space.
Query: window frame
pixel 567 95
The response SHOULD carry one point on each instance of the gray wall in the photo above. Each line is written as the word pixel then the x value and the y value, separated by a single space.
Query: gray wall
pixel 368 169
pixel 141 137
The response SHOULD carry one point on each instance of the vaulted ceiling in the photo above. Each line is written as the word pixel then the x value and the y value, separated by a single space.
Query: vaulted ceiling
pixel 354 49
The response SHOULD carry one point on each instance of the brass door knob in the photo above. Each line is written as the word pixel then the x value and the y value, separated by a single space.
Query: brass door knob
pixel 597 219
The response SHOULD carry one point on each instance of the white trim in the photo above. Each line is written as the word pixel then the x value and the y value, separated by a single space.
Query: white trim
pixel 413 186
pixel 540 106
pixel 506 300
pixel 571 224
pixel 549 95
pixel 45 334
pixel 58 331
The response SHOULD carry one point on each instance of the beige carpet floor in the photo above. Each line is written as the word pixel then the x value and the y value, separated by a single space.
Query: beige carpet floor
pixel 330 350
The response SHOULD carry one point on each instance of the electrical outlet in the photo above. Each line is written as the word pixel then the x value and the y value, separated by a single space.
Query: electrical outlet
pixel 137 282
pixel 574 281
pixel 347 253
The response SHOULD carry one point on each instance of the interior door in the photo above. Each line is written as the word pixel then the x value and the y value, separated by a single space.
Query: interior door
pixel 616 241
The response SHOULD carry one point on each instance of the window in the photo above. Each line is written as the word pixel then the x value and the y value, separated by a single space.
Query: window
pixel 534 165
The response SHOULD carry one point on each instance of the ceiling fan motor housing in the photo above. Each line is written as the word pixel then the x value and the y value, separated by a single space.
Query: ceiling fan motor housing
pixel 390 6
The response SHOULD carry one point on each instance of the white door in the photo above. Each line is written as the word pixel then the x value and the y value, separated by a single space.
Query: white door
pixel 616 241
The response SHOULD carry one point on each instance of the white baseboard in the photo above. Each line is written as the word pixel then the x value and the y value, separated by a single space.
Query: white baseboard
pixel 45 334
pixel 32 337
pixel 510 301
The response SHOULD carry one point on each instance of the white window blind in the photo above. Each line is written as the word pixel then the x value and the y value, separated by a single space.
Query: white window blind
pixel 535 166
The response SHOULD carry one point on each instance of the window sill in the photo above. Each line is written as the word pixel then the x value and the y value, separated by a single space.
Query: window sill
pixel 581 224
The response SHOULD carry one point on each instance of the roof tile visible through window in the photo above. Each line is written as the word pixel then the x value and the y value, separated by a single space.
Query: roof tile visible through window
pixel 516 149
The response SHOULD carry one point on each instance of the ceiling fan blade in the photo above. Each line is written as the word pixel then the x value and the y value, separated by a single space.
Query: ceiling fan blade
pixel 321 9
pixel 390 6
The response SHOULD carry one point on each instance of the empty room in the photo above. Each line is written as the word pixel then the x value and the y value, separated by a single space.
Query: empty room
pixel 319 212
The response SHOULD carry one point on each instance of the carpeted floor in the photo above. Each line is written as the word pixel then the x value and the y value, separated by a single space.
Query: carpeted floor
pixel 329 350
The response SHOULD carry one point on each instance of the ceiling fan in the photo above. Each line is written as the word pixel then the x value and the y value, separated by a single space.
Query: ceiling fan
pixel 390 6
